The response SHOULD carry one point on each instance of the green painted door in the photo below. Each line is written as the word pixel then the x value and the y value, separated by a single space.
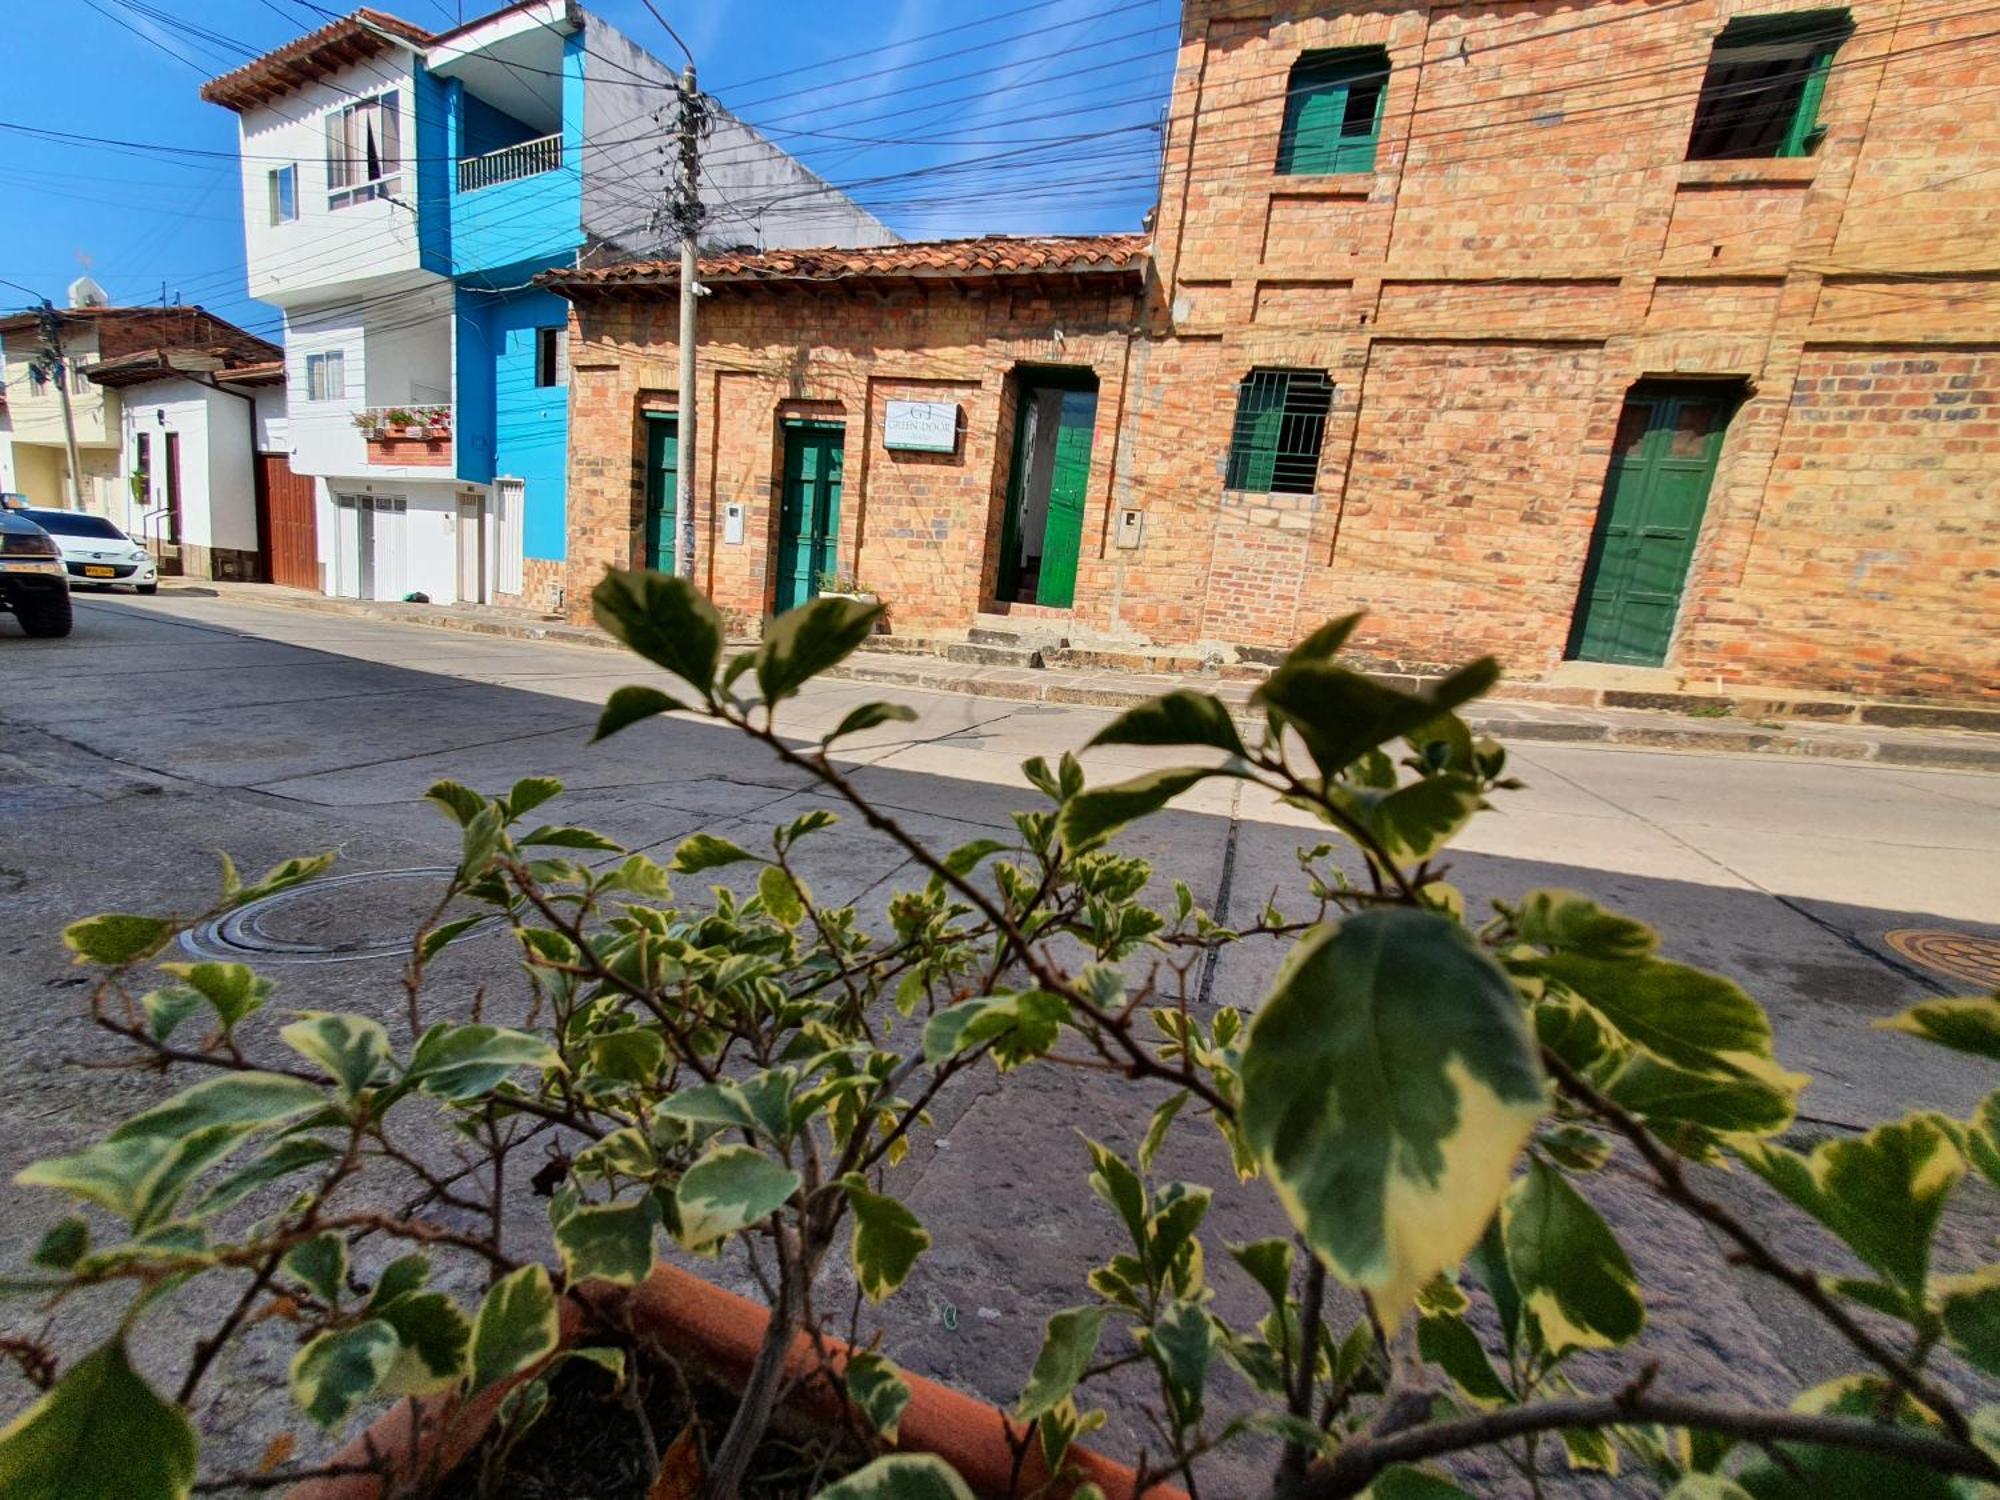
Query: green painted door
pixel 1662 463
pixel 1062 537
pixel 809 520
pixel 662 476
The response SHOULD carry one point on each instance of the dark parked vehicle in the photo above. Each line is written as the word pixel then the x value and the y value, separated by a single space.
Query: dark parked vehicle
pixel 33 581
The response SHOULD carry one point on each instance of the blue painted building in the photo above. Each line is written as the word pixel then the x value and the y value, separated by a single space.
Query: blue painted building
pixel 437 174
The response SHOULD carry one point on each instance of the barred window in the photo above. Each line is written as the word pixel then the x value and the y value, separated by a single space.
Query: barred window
pixel 1280 423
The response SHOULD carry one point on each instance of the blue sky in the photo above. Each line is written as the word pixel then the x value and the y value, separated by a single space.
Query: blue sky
pixel 1070 90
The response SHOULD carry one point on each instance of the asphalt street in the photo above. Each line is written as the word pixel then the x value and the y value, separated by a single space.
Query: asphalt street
pixel 167 728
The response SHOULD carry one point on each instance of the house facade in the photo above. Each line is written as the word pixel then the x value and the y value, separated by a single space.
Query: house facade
pixel 192 427
pixel 402 188
pixel 1632 343
pixel 143 449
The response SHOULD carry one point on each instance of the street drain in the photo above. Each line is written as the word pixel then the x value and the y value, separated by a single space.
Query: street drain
pixel 1963 955
pixel 337 920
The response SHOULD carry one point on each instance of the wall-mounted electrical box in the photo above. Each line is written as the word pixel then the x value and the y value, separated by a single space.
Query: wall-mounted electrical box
pixel 732 523
pixel 1131 527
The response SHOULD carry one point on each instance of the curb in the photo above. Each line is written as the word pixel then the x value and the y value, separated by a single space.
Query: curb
pixel 1978 751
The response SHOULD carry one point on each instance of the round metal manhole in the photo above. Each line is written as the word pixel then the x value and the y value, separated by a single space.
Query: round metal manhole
pixel 336 920
pixel 1963 955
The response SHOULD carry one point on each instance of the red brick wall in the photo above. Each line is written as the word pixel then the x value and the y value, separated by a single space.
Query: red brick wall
pixel 1530 244
pixel 917 528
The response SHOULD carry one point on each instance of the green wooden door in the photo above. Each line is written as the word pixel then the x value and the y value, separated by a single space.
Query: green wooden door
pixel 809 520
pixel 1662 463
pixel 1062 534
pixel 662 477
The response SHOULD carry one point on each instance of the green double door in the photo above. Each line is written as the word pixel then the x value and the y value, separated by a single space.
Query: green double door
pixel 662 481
pixel 809 516
pixel 1662 464
pixel 1067 476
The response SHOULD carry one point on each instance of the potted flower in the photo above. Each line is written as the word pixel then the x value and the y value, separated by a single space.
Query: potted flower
pixel 839 585
pixel 708 1053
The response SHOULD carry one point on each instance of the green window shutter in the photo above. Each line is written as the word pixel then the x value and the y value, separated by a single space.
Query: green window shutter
pixel 1333 111
pixel 1766 77
pixel 1280 424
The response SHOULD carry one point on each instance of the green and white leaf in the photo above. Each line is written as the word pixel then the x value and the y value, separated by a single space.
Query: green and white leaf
pixel 466 1062
pixel 1969 1025
pixel 338 1371
pixel 320 1266
pixel 516 1327
pixel 1575 1281
pixel 100 1433
pixel 351 1050
pixel 1069 1342
pixel 878 1391
pixel 901 1476
pixel 433 1339
pixel 1389 1084
pixel 887 1238
pixel 609 1242
pixel 728 1190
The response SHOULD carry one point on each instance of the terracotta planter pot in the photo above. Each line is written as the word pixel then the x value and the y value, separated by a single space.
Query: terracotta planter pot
pixel 722 1332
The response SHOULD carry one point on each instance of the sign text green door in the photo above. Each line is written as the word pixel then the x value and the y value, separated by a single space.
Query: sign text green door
pixel 809 520
pixel 662 475
pixel 1662 462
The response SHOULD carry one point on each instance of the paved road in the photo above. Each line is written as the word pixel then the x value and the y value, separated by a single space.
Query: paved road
pixel 167 728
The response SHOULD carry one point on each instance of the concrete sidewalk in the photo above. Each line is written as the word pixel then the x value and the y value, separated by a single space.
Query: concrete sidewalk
pixel 1523 717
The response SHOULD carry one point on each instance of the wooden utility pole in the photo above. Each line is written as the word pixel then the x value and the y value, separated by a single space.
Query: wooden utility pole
pixel 52 350
pixel 687 217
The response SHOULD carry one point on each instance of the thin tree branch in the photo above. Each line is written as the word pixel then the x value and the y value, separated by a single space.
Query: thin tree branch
pixel 1362 1458
pixel 1673 1183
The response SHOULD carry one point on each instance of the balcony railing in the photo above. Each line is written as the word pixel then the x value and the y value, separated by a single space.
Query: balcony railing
pixel 524 159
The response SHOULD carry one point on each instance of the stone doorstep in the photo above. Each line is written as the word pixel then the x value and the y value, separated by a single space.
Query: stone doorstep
pixel 1888 733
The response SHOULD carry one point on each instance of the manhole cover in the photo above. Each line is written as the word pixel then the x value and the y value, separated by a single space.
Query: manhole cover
pixel 1963 955
pixel 340 919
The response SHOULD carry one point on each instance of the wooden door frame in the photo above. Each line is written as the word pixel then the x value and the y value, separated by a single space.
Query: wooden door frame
pixel 1727 395
pixel 788 427
pixel 1027 380
pixel 653 424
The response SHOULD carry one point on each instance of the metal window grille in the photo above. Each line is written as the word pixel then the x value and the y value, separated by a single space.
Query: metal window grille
pixel 1280 424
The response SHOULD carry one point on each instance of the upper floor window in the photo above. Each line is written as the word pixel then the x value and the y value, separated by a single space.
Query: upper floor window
pixel 1333 111
pixel 552 356
pixel 1762 92
pixel 1280 424
pixel 283 186
pixel 38 379
pixel 363 150
pixel 78 381
pixel 326 376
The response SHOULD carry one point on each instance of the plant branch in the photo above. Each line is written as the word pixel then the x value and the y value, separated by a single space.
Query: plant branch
pixel 1362 1458
pixel 1673 1183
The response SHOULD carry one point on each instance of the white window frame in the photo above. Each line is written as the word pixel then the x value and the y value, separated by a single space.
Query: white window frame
pixel 274 181
pixel 354 132
pixel 318 387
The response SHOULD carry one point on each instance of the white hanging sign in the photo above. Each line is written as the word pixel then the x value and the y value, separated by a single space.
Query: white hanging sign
pixel 922 426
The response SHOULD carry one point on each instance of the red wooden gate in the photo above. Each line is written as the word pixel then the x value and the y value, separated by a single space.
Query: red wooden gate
pixel 285 517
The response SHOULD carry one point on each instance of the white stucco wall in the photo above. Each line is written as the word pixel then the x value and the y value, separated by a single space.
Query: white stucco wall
pixel 415 550
pixel 218 483
pixel 391 353
pixel 326 246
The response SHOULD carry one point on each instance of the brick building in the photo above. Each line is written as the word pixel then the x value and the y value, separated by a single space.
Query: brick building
pixel 1658 335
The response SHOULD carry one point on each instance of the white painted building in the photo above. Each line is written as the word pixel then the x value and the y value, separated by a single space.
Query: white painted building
pixel 401 190
pixel 190 432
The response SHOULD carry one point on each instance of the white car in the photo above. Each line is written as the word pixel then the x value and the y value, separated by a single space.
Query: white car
pixel 95 552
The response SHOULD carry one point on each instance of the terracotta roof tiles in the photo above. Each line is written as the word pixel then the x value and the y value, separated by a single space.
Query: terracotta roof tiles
pixel 336 45
pixel 989 255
